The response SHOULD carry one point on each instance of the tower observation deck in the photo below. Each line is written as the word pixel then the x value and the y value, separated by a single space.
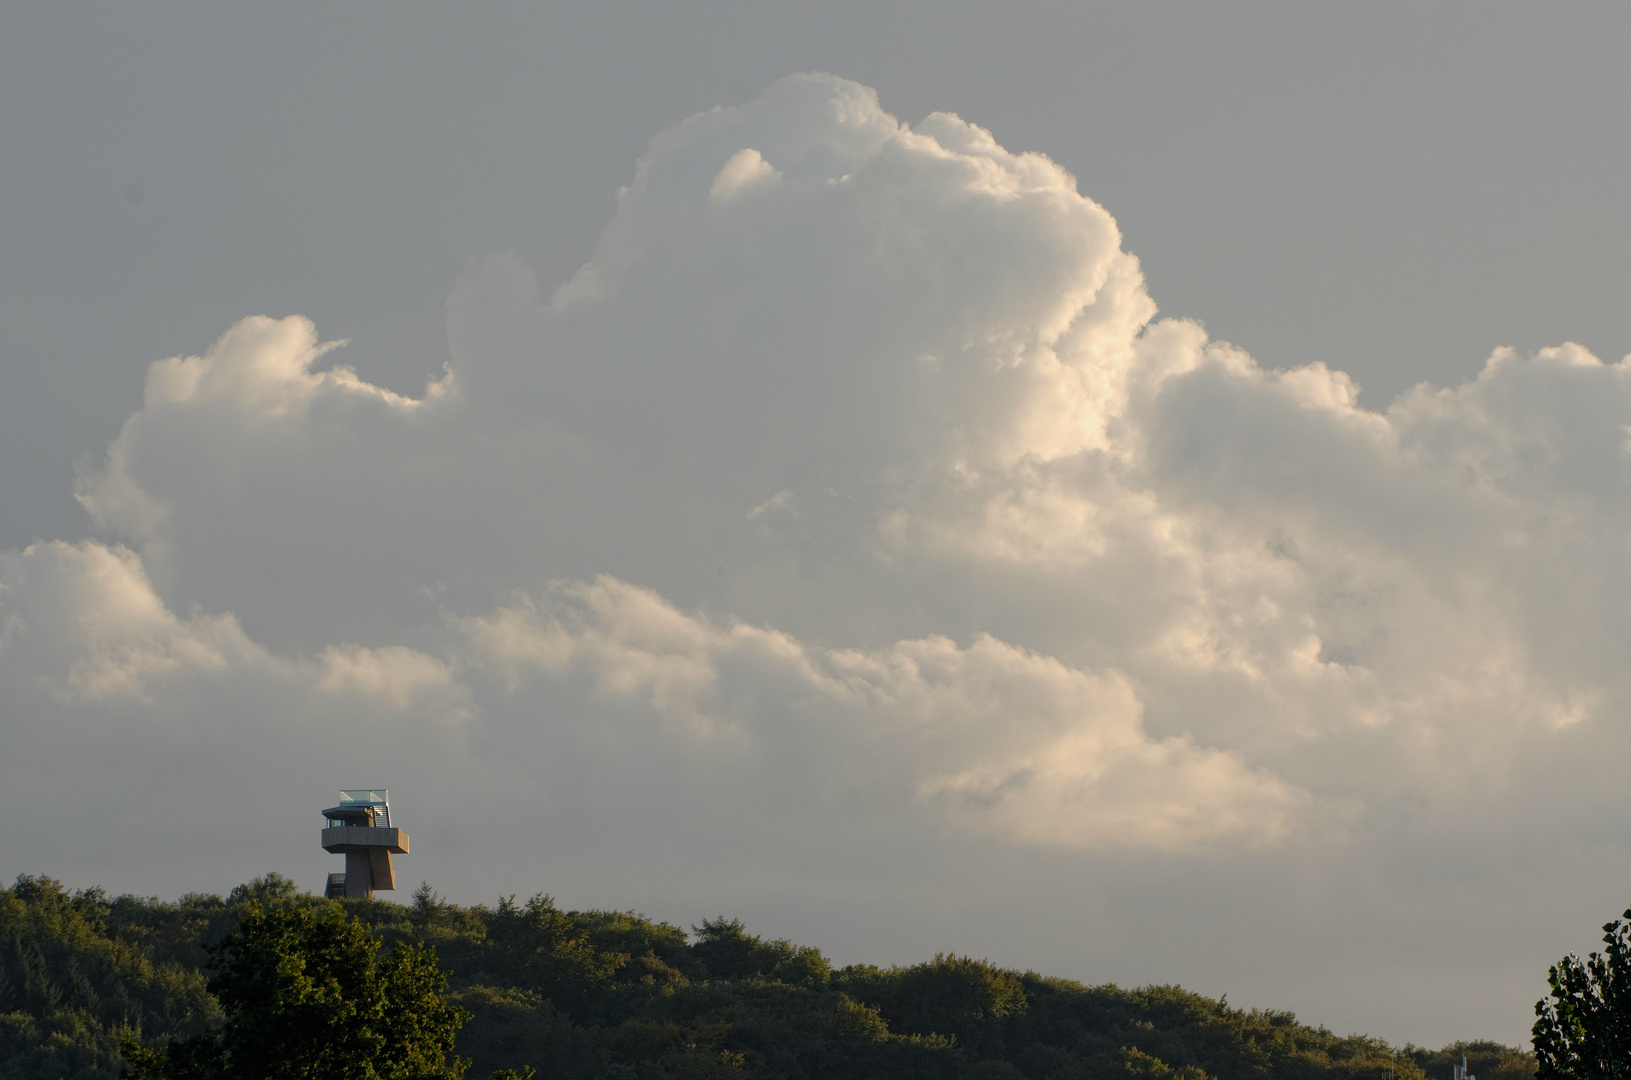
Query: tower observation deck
pixel 360 828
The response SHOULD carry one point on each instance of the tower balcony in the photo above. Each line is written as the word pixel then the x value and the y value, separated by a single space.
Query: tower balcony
pixel 342 838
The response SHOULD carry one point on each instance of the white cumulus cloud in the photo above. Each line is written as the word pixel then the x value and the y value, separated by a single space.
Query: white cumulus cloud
pixel 1007 741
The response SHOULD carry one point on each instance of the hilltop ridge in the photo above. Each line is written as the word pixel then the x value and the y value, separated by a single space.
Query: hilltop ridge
pixel 606 994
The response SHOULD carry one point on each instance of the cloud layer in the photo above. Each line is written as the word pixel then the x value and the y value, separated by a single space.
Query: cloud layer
pixel 851 500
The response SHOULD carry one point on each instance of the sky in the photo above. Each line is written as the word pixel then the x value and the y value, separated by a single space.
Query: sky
pixel 1138 492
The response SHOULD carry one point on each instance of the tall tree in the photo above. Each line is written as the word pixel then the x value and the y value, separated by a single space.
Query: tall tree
pixel 1583 1029
pixel 308 996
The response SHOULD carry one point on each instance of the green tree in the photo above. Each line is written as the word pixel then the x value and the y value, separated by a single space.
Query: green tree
pixel 1583 1030
pixel 539 946
pixel 307 996
pixel 728 951
pixel 70 993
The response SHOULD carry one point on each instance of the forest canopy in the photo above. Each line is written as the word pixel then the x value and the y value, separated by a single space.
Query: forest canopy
pixel 606 994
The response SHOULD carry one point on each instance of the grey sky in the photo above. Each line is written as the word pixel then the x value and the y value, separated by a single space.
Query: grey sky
pixel 1391 190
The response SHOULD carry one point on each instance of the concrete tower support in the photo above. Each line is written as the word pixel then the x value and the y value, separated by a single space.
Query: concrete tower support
pixel 360 828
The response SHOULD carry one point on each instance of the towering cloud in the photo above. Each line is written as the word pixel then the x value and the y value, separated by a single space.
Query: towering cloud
pixel 852 491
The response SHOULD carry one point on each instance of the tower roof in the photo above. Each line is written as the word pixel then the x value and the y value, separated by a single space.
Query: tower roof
pixel 361 806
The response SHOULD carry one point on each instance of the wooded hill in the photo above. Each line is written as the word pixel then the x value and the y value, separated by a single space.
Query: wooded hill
pixel 598 994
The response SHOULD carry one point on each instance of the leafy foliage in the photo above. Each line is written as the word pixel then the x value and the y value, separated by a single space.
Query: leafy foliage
pixel 70 989
pixel 306 994
pixel 614 995
pixel 725 950
pixel 1583 1030
pixel 1485 1060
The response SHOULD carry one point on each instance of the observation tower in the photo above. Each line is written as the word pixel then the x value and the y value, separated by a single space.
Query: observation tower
pixel 360 828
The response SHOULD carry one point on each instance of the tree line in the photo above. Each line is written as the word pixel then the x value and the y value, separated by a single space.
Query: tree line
pixel 273 982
